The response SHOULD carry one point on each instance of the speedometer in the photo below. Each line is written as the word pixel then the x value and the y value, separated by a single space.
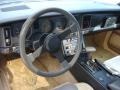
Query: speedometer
pixel 46 26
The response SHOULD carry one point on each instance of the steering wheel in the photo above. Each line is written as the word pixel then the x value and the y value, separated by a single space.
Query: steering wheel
pixel 52 42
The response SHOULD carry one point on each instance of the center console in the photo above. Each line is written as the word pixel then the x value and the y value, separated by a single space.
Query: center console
pixel 94 73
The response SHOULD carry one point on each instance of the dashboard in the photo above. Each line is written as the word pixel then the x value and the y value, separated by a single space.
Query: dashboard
pixel 89 22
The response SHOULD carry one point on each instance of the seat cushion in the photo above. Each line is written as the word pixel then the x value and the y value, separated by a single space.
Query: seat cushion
pixel 70 86
pixel 113 65
pixel 83 86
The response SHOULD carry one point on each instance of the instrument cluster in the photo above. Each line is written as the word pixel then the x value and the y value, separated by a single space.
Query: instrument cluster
pixel 9 32
pixel 10 37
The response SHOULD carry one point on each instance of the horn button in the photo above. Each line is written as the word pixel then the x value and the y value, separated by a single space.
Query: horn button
pixel 52 43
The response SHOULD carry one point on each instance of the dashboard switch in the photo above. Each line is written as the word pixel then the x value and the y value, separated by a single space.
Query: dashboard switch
pixel 69 46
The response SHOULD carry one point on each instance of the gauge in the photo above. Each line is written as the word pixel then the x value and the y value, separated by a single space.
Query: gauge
pixel 60 23
pixel 46 26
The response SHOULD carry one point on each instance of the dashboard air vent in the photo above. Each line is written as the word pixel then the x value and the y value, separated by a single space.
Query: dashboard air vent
pixel 86 21
pixel 14 8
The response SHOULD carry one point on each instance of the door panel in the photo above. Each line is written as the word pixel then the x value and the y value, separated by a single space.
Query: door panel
pixel 114 41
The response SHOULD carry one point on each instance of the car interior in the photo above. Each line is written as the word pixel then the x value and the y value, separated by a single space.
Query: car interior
pixel 55 48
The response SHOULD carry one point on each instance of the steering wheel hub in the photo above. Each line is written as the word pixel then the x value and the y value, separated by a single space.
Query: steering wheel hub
pixel 52 43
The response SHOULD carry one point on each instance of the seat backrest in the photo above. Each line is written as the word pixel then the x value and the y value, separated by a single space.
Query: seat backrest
pixel 66 86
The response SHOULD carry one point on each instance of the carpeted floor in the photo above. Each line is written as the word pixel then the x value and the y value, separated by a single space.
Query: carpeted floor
pixel 21 78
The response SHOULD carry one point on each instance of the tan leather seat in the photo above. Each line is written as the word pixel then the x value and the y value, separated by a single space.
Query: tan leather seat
pixel 4 83
pixel 70 86
pixel 113 65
